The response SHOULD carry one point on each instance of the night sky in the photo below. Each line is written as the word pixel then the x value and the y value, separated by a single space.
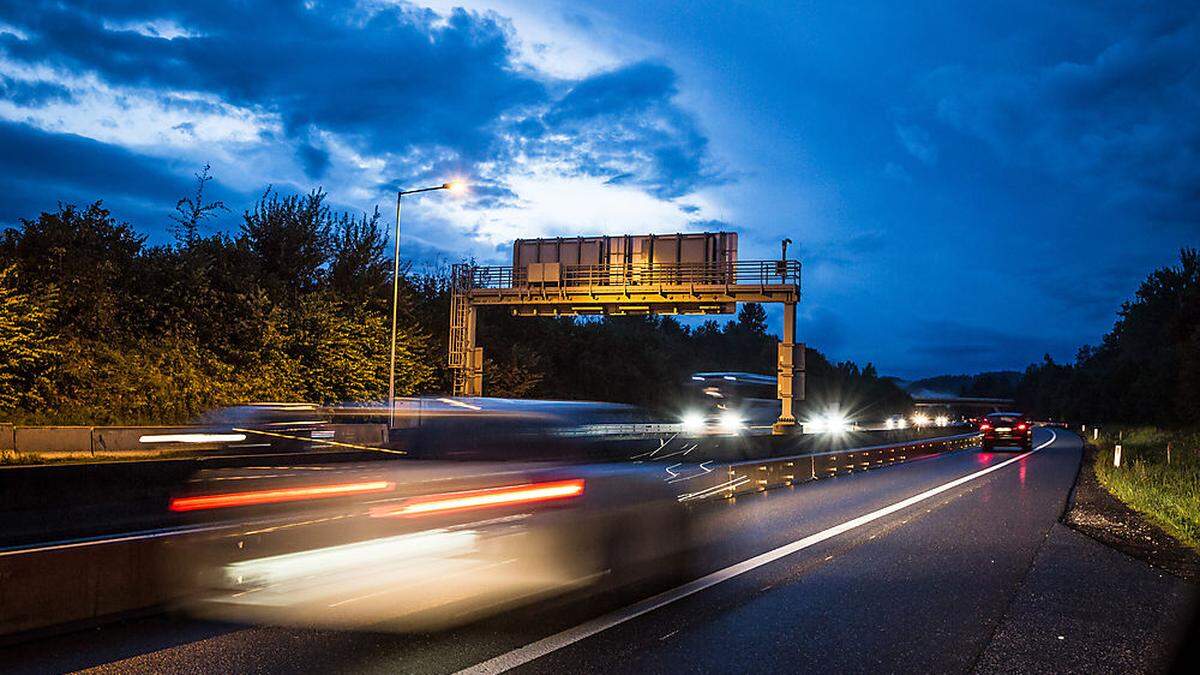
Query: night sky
pixel 969 187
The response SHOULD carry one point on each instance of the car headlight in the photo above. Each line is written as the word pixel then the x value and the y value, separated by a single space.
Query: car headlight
pixel 836 424
pixel 730 422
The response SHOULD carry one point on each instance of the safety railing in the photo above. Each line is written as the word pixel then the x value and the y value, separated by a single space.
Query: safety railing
pixel 724 481
pixel 749 272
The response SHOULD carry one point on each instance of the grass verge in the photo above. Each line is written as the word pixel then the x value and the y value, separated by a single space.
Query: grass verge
pixel 1166 492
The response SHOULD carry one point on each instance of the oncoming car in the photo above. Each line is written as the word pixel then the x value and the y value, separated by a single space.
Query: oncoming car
pixel 1006 429
pixel 725 403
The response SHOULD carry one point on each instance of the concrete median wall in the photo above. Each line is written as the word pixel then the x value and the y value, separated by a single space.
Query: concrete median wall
pixel 87 443
pixel 52 440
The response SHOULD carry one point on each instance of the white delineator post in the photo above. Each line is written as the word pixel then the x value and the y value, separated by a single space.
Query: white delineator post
pixel 1117 455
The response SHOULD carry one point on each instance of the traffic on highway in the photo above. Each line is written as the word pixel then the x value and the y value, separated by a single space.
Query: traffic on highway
pixel 483 567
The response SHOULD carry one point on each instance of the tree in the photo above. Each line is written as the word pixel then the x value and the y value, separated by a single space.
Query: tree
pixel 360 272
pixel 1146 370
pixel 29 347
pixel 190 211
pixel 289 241
pixel 88 256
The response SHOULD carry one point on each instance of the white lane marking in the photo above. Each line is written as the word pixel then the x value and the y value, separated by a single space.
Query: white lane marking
pixel 529 652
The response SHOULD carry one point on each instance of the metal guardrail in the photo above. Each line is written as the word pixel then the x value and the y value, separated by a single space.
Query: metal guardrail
pixel 749 272
pixel 729 480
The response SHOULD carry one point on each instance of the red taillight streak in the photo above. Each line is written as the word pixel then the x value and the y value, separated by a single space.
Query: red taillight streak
pixel 1020 427
pixel 509 495
pixel 229 499
pixel 985 427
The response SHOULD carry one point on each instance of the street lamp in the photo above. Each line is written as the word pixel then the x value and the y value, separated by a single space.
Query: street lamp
pixel 455 186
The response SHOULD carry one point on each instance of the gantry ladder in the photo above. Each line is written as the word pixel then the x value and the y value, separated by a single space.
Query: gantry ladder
pixel 461 347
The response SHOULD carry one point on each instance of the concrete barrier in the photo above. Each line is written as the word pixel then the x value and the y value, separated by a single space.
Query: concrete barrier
pixel 128 439
pixel 47 443
pixel 52 440
pixel 65 586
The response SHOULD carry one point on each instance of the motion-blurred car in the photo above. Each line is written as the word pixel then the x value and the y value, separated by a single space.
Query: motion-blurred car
pixel 727 403
pixel 1006 429
pixel 418 544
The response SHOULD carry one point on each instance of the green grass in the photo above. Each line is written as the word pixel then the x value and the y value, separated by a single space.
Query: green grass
pixel 18 458
pixel 1168 494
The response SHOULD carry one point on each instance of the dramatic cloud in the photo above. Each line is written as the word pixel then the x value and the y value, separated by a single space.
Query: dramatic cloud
pixel 1123 122
pixel 353 95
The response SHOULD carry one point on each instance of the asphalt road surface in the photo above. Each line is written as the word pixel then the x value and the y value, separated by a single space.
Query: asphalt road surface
pixel 904 568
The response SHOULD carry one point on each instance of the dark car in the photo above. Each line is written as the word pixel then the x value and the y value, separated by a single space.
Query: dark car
pixel 1011 429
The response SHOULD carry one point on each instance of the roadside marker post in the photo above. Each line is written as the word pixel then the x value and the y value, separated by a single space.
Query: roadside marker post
pixel 1117 455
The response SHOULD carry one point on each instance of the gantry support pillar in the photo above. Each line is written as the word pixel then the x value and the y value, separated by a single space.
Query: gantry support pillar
pixel 789 373
pixel 473 374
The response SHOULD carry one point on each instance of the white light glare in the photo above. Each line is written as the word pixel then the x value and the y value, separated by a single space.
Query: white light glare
pixel 920 420
pixel 941 420
pixel 830 423
pixel 730 422
pixel 693 422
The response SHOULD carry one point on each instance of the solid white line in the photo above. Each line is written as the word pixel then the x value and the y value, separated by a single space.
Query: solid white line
pixel 523 655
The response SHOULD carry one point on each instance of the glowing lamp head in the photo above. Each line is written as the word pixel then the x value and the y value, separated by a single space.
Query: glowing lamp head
pixel 455 187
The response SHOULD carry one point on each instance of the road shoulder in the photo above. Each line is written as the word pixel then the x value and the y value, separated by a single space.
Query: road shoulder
pixel 1087 608
pixel 1098 514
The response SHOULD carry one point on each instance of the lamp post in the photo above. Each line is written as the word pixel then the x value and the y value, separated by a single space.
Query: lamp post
pixel 452 186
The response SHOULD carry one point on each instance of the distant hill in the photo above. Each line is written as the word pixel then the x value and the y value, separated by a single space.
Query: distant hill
pixel 995 384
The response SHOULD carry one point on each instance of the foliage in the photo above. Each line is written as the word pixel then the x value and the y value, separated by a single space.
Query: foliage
pixel 29 349
pixel 295 304
pixel 97 327
pixel 1145 371
pixel 1168 493
pixel 993 384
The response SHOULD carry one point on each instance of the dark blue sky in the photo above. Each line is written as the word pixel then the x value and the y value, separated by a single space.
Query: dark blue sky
pixel 969 187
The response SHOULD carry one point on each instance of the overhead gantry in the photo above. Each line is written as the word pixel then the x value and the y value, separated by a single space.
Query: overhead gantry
pixel 680 274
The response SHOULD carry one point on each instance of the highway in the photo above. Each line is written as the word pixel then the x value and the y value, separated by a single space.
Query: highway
pixel 908 567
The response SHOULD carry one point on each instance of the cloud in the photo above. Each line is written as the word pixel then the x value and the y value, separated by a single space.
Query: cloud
pixel 917 142
pixel 39 169
pixel 1122 123
pixel 975 348
pixel 362 96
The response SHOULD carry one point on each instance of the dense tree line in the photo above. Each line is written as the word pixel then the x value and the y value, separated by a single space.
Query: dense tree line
pixel 991 384
pixel 1145 371
pixel 96 326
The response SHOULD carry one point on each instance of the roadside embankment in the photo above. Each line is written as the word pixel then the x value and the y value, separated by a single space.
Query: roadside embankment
pixel 1158 476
